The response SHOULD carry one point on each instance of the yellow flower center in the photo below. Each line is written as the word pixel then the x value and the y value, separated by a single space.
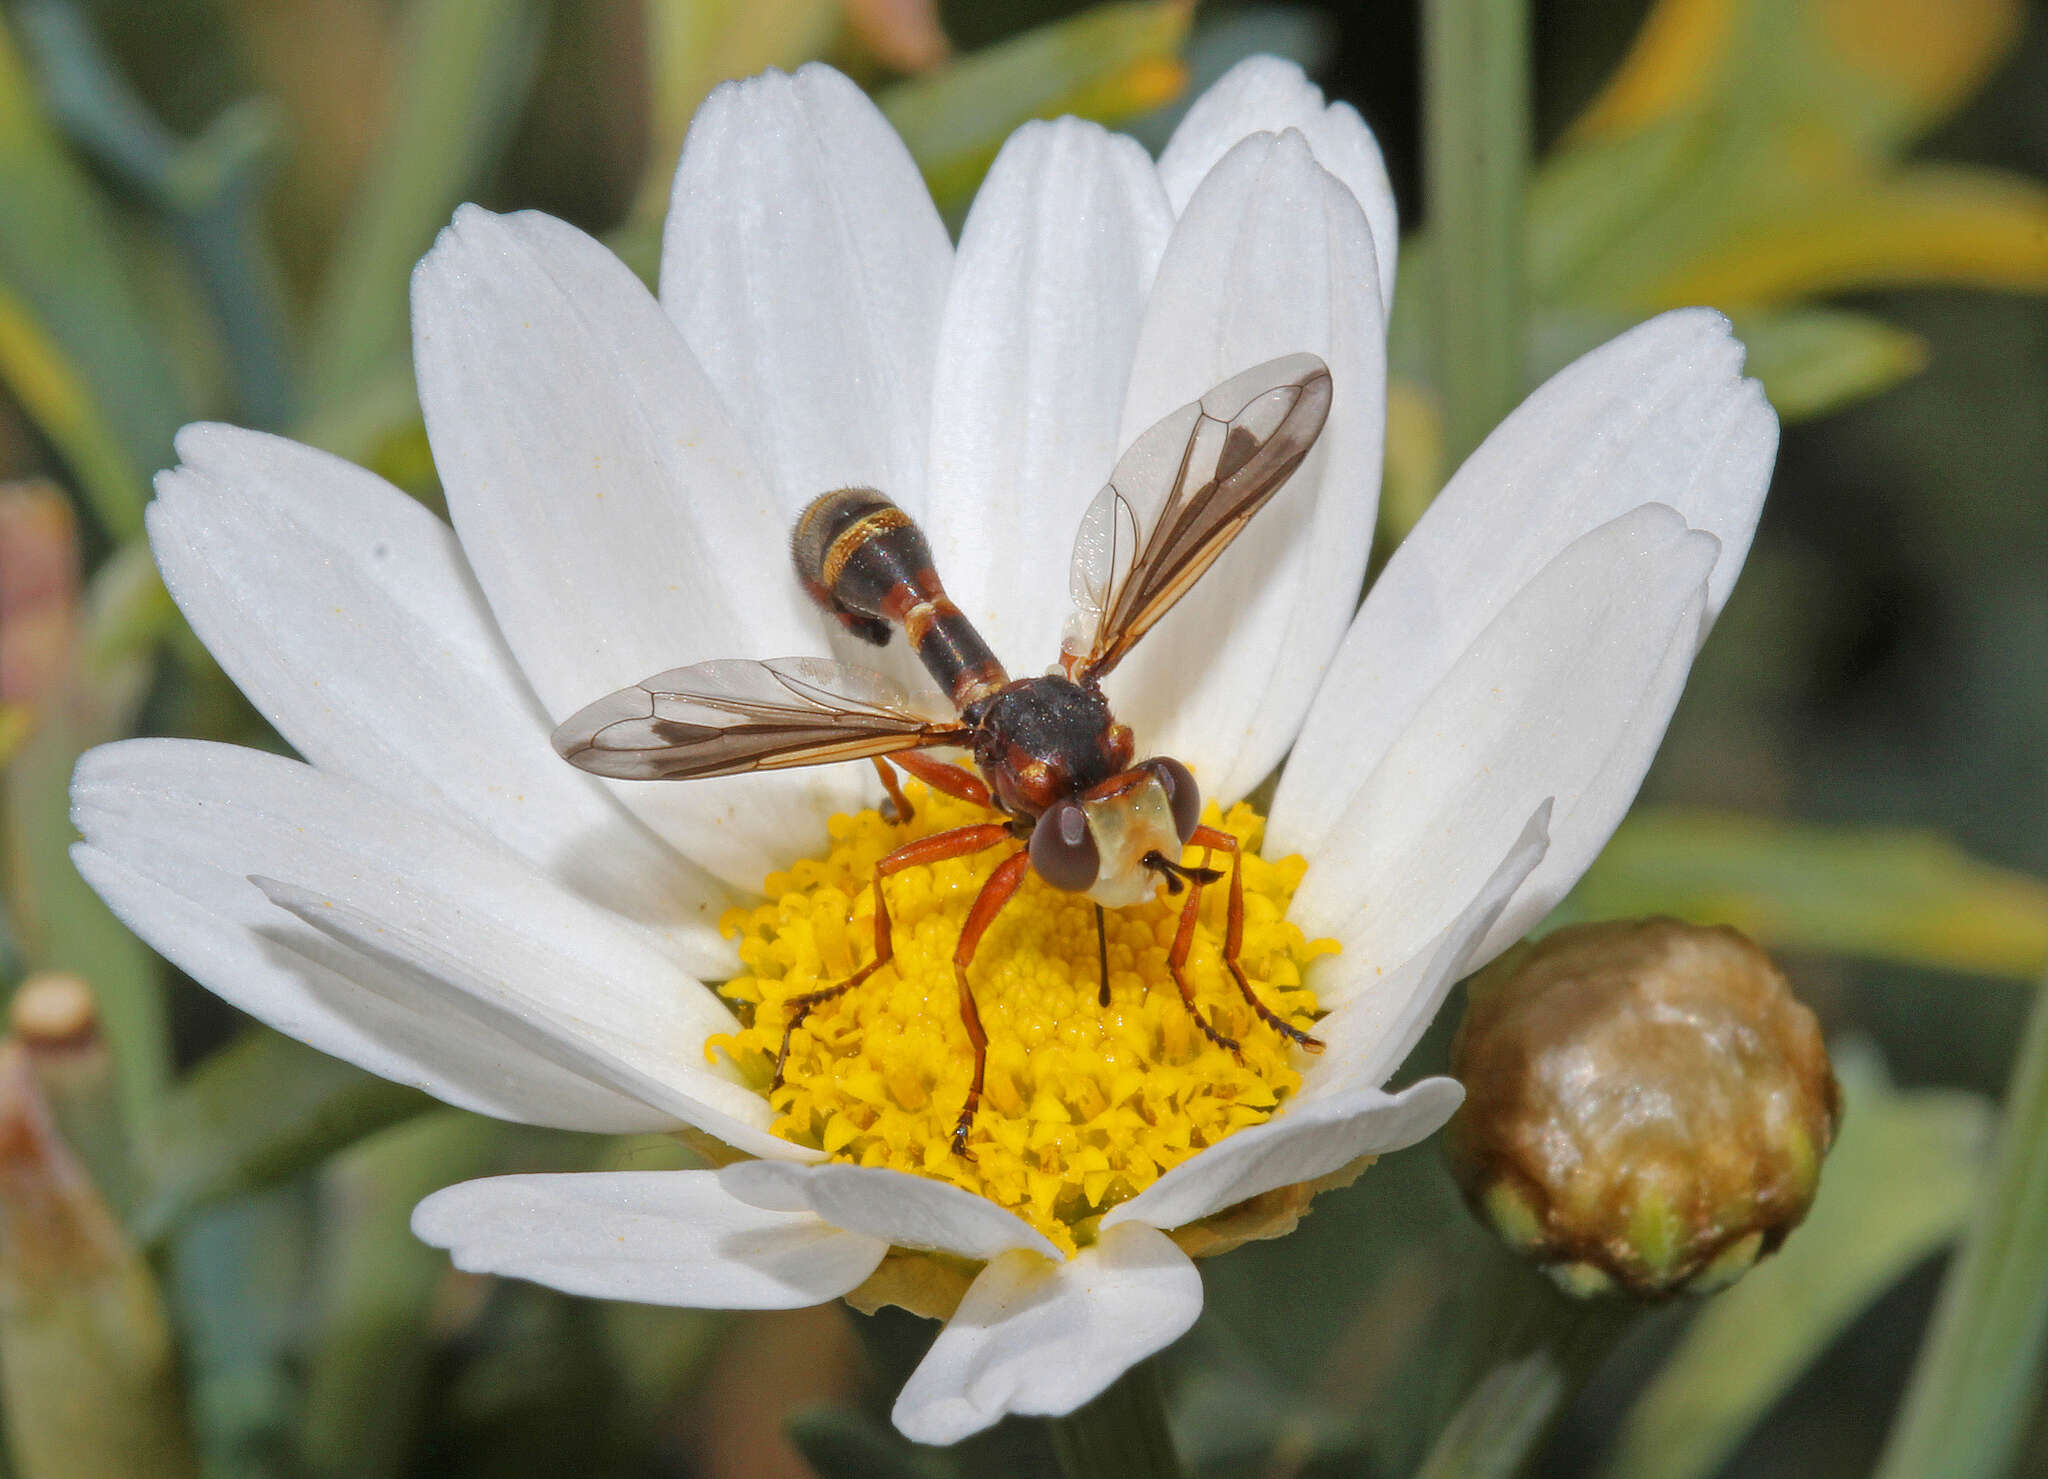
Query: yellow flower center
pixel 1084 1105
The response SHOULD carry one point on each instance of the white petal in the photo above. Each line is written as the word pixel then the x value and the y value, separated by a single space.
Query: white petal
pixel 1034 355
pixel 1660 414
pixel 658 1237
pixel 1538 706
pixel 1038 1337
pixel 462 936
pixel 345 612
pixel 909 1211
pixel 1380 1015
pixel 1271 257
pixel 422 937
pixel 805 263
pixel 1305 1140
pixel 612 514
pixel 228 937
pixel 1269 94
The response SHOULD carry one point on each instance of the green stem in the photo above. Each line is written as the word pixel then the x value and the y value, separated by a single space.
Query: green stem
pixel 1535 1347
pixel 1975 1384
pixel 1122 1434
pixel 1476 155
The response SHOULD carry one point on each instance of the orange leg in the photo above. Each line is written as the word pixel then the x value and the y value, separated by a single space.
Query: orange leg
pixel 898 809
pixel 1177 959
pixel 987 905
pixel 952 780
pixel 1215 839
pixel 957 843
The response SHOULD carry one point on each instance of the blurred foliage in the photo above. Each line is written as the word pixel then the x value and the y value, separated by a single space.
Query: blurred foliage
pixel 1976 1383
pixel 210 208
pixel 87 1366
pixel 1747 155
pixel 1904 896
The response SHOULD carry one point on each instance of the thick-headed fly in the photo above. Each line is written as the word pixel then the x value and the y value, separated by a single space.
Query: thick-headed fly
pixel 1054 764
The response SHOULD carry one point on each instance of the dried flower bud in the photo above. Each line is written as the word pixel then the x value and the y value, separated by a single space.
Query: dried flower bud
pixel 1647 1105
pixel 54 1009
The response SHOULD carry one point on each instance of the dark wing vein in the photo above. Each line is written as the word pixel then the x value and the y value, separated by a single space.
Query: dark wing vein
pixel 1245 440
pixel 735 716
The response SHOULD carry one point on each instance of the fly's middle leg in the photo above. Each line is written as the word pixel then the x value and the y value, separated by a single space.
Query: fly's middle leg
pixel 1176 966
pixel 1215 839
pixel 987 905
pixel 957 843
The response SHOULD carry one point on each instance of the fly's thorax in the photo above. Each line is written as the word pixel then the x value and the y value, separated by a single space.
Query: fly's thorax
pixel 1040 740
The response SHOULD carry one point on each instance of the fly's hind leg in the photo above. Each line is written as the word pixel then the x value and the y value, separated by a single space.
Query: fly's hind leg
pixel 897 807
pixel 987 905
pixel 950 780
pixel 957 843
pixel 1215 839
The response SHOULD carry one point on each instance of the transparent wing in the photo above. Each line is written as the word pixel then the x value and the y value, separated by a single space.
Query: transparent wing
pixel 735 715
pixel 1179 496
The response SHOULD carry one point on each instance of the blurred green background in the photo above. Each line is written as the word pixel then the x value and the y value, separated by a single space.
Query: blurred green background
pixel 208 208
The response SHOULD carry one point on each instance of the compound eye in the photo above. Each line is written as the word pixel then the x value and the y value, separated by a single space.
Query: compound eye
pixel 1063 848
pixel 1181 794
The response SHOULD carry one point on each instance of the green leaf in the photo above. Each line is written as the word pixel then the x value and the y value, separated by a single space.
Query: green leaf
pixel 50 388
pixel 1877 892
pixel 1897 1186
pixel 208 192
pixel 467 67
pixel 1976 1382
pixel 1108 63
pixel 367 1368
pixel 260 1110
pixel 76 346
pixel 1816 360
pixel 1865 78
pixel 1497 1425
pixel 1476 160
pixel 238 1278
pixel 1520 1348
pixel 1947 223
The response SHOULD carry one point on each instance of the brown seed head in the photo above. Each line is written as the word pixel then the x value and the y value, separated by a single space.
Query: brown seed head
pixel 1646 1106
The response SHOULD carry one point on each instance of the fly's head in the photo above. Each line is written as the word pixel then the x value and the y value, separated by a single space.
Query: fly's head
pixel 1116 842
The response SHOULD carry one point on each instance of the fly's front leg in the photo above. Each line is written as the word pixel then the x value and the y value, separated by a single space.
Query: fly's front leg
pixel 1102 955
pixel 1177 959
pixel 987 905
pixel 957 843
pixel 1215 839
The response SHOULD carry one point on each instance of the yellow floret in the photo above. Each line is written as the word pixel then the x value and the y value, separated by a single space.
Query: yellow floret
pixel 1084 1105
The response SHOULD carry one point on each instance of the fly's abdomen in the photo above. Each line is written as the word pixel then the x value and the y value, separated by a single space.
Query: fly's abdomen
pixel 863 559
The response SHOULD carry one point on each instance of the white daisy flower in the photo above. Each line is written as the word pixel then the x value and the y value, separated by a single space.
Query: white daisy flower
pixel 434 895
